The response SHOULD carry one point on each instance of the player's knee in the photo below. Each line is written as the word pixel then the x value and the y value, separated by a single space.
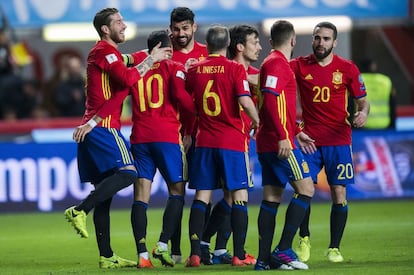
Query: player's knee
pixel 306 187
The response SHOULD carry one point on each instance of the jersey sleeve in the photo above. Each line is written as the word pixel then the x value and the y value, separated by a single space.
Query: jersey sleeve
pixel 185 101
pixel 112 63
pixel 113 103
pixel 133 59
pixel 272 86
pixel 357 86
pixel 270 104
pixel 242 84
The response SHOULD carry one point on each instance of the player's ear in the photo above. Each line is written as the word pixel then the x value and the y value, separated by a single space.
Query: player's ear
pixel 293 42
pixel 195 26
pixel 335 43
pixel 240 47
pixel 105 29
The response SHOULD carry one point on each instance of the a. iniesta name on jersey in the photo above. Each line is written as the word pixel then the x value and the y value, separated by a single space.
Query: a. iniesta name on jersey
pixel 210 70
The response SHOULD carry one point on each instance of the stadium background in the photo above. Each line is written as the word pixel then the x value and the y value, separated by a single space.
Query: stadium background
pixel 38 159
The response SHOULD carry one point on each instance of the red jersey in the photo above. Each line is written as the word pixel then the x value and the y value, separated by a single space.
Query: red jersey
pixel 199 52
pixel 157 100
pixel 216 84
pixel 247 120
pixel 324 97
pixel 277 109
pixel 253 71
pixel 107 77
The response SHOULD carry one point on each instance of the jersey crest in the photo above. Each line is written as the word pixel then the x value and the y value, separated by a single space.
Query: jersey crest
pixel 337 78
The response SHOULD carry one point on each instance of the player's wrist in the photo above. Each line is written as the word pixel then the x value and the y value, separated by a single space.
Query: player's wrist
pixel 151 59
pixel 145 65
pixel 92 123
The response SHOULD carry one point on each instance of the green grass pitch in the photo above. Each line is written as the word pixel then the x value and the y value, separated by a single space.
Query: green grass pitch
pixel 379 239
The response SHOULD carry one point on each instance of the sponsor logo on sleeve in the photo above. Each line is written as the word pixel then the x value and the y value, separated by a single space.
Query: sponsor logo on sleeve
pixel 271 81
pixel 111 58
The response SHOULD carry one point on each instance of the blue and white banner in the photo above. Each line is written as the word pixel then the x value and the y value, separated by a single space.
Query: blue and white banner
pixel 36 13
pixel 44 176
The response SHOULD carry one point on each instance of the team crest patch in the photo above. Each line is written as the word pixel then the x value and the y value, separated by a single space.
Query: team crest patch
pixel 305 167
pixel 337 77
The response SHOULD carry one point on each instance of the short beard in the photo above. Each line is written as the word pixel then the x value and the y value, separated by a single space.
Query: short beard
pixel 117 39
pixel 185 44
pixel 321 56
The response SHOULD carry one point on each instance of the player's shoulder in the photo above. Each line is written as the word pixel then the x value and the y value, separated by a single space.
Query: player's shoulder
pixel 234 64
pixel 103 49
pixel 252 70
pixel 103 46
pixel 274 60
pixel 200 49
pixel 104 54
pixel 200 45
pixel 304 59
pixel 343 62
pixel 173 65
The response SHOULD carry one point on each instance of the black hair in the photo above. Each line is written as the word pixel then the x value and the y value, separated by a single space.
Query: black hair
pixel 156 37
pixel 327 25
pixel 280 32
pixel 180 14
pixel 238 35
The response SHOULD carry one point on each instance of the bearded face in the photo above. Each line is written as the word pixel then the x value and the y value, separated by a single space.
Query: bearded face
pixel 321 52
pixel 182 33
pixel 323 43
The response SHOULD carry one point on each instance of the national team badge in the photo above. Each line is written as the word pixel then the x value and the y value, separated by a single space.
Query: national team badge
pixel 305 166
pixel 337 78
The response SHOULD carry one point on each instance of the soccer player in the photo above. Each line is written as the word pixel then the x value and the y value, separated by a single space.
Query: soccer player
pixel 244 48
pixel 183 28
pixel 103 153
pixel 156 143
pixel 219 87
pixel 281 161
pixel 186 51
pixel 324 80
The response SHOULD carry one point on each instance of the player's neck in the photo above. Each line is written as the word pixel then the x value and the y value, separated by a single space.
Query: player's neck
pixel 110 41
pixel 222 52
pixel 242 60
pixel 325 61
pixel 286 51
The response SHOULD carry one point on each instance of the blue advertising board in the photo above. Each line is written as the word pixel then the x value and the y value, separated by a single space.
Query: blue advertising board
pixel 36 13
pixel 43 176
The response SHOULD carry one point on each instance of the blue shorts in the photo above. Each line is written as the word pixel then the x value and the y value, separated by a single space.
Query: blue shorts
pixel 214 168
pixel 103 150
pixel 169 158
pixel 279 172
pixel 338 164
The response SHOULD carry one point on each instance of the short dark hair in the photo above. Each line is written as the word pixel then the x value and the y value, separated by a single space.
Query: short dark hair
pixel 217 38
pixel 238 35
pixel 156 37
pixel 280 32
pixel 180 14
pixel 103 18
pixel 327 25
